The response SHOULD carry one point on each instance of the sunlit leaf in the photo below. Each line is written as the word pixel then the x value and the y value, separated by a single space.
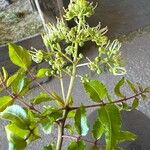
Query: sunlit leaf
pixel 16 137
pixel 19 56
pixel 43 73
pixel 34 135
pixel 5 74
pixel 5 101
pixel 18 82
pixel 16 115
pixel 42 97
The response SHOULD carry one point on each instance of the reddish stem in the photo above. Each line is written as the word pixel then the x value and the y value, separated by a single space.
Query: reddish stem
pixel 113 102
pixel 77 138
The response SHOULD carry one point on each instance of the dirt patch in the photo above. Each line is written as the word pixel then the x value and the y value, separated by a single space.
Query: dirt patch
pixel 18 21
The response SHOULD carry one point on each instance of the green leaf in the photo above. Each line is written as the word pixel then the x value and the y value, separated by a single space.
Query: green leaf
pixel 126 136
pixel 76 145
pixel 98 129
pixel 132 86
pixel 110 119
pixel 81 123
pixel 118 86
pixel 49 147
pixel 25 88
pixel 16 115
pixel 42 97
pixel 126 107
pixel 71 114
pixel 55 115
pixel 147 89
pixel 5 74
pixel 19 56
pixel 144 97
pixel 5 101
pixel 16 137
pixel 43 73
pixel 59 101
pixel 13 129
pixel 96 90
pixel 12 78
pixel 18 82
pixel 71 101
pixel 135 103
pixel 18 144
pixel 70 128
pixel 52 114
pixel 34 135
pixel 95 148
pixel 46 125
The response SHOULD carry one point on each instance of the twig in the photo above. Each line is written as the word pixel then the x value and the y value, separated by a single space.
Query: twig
pixel 113 102
pixel 44 89
pixel 62 86
pixel 81 65
pixel 29 106
pixel 78 138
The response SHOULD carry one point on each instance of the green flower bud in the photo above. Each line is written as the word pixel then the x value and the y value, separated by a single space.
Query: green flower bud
pixel 81 56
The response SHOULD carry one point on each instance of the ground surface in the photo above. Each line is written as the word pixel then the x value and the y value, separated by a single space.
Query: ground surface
pixel 18 21
pixel 136 54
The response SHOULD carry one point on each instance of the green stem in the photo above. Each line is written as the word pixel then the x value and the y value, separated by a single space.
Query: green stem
pixel 72 79
pixel 62 123
pixel 62 86
pixel 61 130
pixel 71 84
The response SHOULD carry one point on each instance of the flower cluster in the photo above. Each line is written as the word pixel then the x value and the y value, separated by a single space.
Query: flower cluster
pixel 64 42
pixel 79 9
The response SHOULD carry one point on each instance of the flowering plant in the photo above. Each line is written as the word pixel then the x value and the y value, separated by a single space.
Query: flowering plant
pixel 63 59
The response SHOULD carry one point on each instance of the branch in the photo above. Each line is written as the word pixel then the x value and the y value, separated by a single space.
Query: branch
pixel 14 97
pixel 78 138
pixel 34 79
pixel 113 102
pixel 29 106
